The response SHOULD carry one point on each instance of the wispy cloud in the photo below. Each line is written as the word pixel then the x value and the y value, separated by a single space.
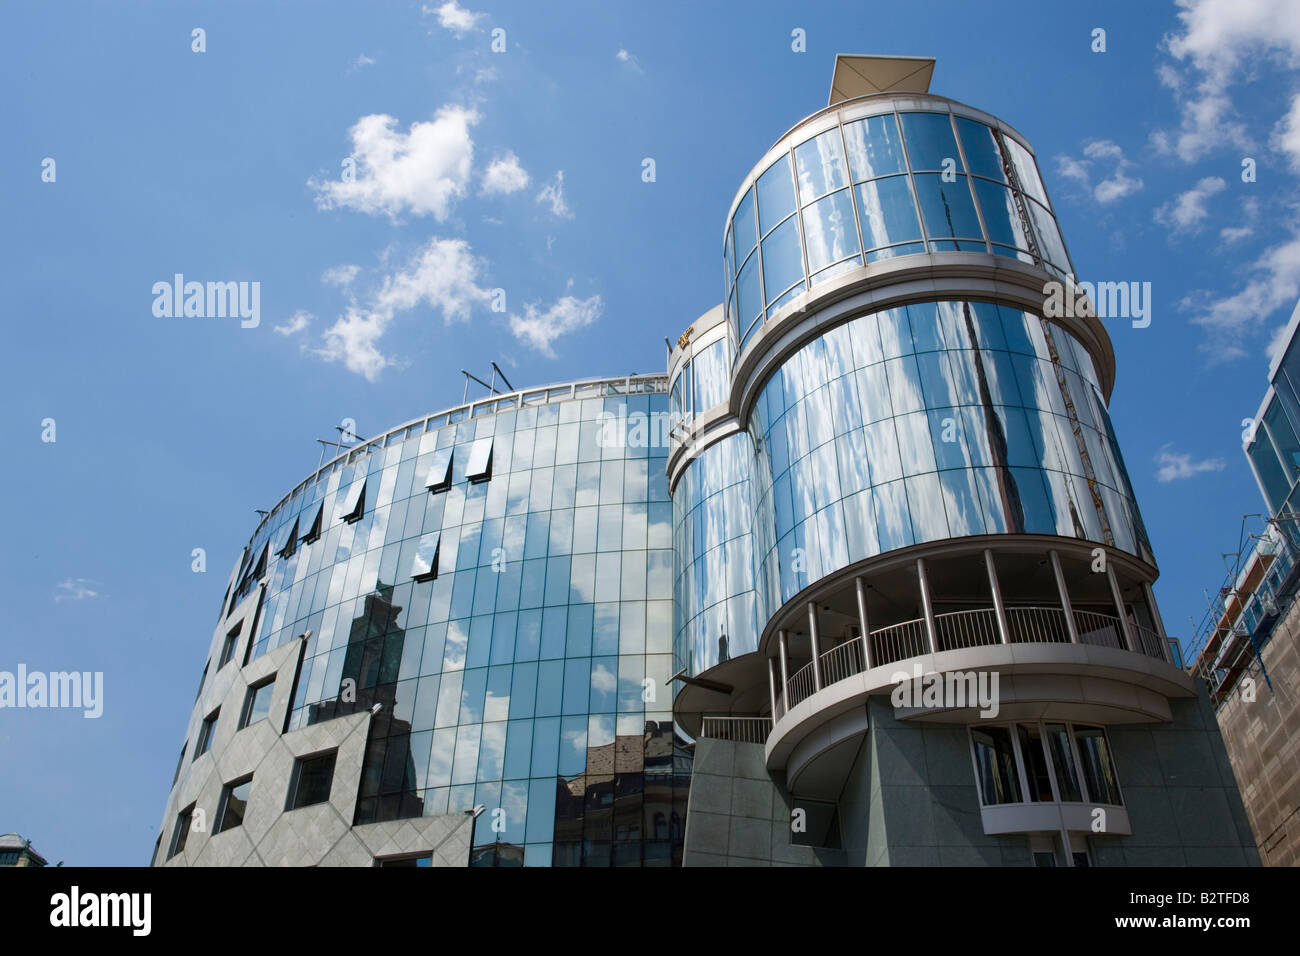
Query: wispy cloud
pixel 1104 153
pixel 629 60
pixel 442 275
pixel 75 589
pixel 504 175
pixel 1179 467
pixel 452 16
pixel 1221 43
pixel 1274 283
pixel 540 328
pixel 361 61
pixel 1186 211
pixel 341 276
pixel 552 194
pixel 297 322
pixel 423 171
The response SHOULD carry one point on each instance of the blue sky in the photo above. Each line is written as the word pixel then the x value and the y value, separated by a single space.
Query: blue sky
pixel 518 171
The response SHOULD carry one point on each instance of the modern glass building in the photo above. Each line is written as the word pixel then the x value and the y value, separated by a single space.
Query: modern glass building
pixel 666 619
pixel 472 610
pixel 898 483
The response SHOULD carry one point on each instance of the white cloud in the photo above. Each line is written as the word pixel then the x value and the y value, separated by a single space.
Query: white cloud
pixel 553 193
pixel 75 589
pixel 1177 467
pixel 452 16
pixel 629 59
pixel 424 171
pixel 504 175
pixel 1246 223
pixel 341 276
pixel 1101 152
pixel 443 276
pixel 540 329
pixel 1274 283
pixel 297 322
pixel 1222 42
pixel 1286 135
pixel 360 62
pixel 1186 211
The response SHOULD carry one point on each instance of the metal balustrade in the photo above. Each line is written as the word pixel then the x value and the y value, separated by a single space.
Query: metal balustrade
pixel 801 685
pixel 955 630
pixel 899 642
pixel 741 730
pixel 1100 630
pixel 1148 640
pixel 842 662
pixel 1037 625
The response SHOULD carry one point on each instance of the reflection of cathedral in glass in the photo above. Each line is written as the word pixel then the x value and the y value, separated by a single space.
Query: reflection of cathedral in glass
pixel 497 591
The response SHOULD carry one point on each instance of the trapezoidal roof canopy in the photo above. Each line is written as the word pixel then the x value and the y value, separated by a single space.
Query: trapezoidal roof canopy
pixel 864 75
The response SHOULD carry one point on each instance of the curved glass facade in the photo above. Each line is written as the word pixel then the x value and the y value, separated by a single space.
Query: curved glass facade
pixel 938 420
pixel 713 508
pixel 875 187
pixel 920 423
pixel 503 586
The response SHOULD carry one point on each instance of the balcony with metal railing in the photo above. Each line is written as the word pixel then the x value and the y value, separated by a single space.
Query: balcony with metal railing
pixel 960 630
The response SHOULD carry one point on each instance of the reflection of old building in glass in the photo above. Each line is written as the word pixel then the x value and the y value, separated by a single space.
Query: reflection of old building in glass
pixel 570 607
pixel 895 465
pixel 459 613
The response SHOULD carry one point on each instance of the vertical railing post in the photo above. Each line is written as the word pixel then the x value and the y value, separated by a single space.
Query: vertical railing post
pixel 862 624
pixel 924 580
pixel 813 638
pixel 1066 606
pixel 998 608
pixel 1129 637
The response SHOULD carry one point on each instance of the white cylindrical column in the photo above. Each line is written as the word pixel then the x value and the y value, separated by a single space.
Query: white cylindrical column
pixel 924 580
pixel 1130 638
pixel 1061 589
pixel 771 687
pixel 1003 630
pixel 862 623
pixel 813 638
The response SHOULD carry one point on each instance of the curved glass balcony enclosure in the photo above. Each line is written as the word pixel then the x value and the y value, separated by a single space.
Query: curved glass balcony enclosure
pixel 875 180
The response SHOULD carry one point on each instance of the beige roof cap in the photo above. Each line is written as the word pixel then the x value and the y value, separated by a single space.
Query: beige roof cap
pixel 864 75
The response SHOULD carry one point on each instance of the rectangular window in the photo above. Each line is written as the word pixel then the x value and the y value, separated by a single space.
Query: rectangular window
pixel 311 780
pixel 1031 752
pixel 233 804
pixel 206 732
pixel 995 763
pixel 439 477
pixel 424 566
pixel 179 763
pixel 257 703
pixel 1067 778
pixel 182 831
pixel 228 646
pixel 424 859
pixel 354 505
pixel 314 529
pixel 1098 768
pixel 480 460
pixel 287 542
